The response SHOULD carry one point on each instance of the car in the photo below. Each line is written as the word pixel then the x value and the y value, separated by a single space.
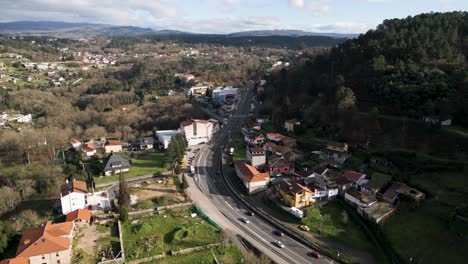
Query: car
pixel 304 227
pixel 251 213
pixel 314 254
pixel 279 244
pixel 278 233
pixel 245 220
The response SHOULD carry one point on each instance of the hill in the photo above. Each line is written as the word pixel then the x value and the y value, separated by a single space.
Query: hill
pixel 414 67
pixel 288 33
pixel 69 30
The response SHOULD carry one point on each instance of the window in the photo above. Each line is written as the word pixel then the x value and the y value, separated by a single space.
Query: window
pixel 56 254
pixel 58 261
pixel 43 257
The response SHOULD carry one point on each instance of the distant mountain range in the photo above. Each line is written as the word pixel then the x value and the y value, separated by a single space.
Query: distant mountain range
pixel 79 30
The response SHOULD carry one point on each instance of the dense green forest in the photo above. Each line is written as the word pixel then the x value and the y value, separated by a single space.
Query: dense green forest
pixel 414 67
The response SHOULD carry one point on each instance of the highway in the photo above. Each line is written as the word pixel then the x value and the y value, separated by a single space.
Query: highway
pixel 208 179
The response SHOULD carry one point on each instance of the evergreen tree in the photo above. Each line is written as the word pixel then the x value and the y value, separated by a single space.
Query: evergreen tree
pixel 124 193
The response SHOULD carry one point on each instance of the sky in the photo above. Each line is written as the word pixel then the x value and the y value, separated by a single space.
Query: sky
pixel 227 16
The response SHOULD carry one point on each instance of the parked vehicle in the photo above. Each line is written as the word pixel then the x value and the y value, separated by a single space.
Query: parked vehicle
pixel 279 244
pixel 304 227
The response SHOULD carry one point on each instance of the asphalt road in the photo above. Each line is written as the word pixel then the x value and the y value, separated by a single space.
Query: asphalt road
pixel 209 181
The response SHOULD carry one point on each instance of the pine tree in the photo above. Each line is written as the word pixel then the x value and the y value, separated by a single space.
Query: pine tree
pixel 124 193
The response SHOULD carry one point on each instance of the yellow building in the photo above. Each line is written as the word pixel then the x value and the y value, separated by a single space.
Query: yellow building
pixel 294 194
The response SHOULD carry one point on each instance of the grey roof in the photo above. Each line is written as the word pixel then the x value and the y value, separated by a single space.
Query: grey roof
pixel 114 161
pixel 146 141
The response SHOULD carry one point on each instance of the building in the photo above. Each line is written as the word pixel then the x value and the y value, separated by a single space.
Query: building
pixel 377 212
pixel 47 244
pixel 198 90
pixel 350 179
pixel 79 217
pixel 276 149
pixel 377 182
pixel 294 194
pixel 89 149
pixel 275 137
pixel 290 124
pixel 113 146
pixel 252 137
pixel 357 199
pixel 198 131
pixel 256 156
pixel 115 164
pixel 279 165
pixel 146 143
pixel 75 144
pixel 398 190
pixel 165 136
pixel 220 94
pixel 253 180
pixel 335 152
pixel 74 195
pixel 24 118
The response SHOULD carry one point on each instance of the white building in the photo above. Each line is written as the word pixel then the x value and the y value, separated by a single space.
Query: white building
pixel 74 195
pixel 198 131
pixel 165 136
pixel 219 94
pixel 256 156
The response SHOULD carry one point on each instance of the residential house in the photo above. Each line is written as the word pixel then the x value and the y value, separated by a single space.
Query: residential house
pixel 113 146
pixel 322 186
pixel 294 194
pixel 335 152
pixel 256 156
pixel 252 179
pixel 198 90
pixel 376 183
pixel 349 179
pixel 165 136
pixel 89 149
pixel 253 137
pixel 359 199
pixel 279 165
pixel 276 149
pixel 75 144
pixel 275 137
pixel 115 164
pixel 199 131
pixel 49 244
pixel 290 124
pixel 398 190
pixel 146 143
pixel 377 212
pixel 289 142
pixel 74 195
pixel 81 217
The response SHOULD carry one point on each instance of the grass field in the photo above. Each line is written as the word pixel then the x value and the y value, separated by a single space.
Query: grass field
pixel 162 233
pixel 224 254
pixel 431 233
pixel 146 164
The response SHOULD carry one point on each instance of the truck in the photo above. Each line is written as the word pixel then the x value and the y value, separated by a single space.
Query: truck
pixel 231 151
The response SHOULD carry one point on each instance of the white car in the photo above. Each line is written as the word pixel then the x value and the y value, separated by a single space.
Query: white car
pixel 279 244
pixel 245 220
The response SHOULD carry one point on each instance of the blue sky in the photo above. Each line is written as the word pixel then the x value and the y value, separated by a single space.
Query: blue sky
pixel 225 16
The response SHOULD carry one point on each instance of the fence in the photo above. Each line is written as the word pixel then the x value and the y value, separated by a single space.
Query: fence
pixel 174 253
pixel 121 256
pixel 207 218
pixel 160 209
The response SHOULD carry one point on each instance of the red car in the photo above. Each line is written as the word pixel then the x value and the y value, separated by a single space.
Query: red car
pixel 315 254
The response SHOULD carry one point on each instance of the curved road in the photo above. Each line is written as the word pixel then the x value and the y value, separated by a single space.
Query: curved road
pixel 210 183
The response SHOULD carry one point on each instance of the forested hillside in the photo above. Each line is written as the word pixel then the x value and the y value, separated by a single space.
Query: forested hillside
pixel 415 67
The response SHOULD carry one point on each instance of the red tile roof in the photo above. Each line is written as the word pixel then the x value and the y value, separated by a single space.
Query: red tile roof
pixel 276 135
pixel 89 147
pixel 74 186
pixel 45 239
pixel 353 176
pixel 79 214
pixel 20 260
pixel 250 173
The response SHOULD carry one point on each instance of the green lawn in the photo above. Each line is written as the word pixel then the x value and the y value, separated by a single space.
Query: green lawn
pixel 224 254
pixel 431 233
pixel 336 224
pixel 162 233
pixel 146 164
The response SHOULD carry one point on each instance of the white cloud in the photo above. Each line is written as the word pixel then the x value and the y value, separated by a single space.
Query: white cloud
pixel 343 27
pixel 296 3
